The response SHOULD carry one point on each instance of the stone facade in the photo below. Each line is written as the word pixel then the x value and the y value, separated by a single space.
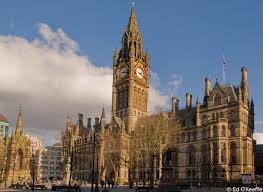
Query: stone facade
pixel 214 144
pixel 19 155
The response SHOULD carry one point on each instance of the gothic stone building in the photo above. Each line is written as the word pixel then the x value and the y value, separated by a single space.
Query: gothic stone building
pixel 18 155
pixel 214 144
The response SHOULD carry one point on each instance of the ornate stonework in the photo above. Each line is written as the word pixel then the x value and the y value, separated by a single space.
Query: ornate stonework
pixel 215 143
pixel 18 156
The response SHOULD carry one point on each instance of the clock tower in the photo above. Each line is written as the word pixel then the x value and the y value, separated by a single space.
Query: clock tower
pixel 130 77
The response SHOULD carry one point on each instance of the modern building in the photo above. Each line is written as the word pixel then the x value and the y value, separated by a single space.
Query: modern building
pixel 51 163
pixel 4 126
pixel 215 143
pixel 36 146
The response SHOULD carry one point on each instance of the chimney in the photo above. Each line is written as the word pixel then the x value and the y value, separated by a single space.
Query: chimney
pixel 89 123
pixel 188 101
pixel 175 104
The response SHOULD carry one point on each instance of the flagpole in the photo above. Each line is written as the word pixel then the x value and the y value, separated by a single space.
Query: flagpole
pixel 224 68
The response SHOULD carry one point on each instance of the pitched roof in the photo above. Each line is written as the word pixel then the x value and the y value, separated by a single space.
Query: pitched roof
pixel 2 118
pixel 132 24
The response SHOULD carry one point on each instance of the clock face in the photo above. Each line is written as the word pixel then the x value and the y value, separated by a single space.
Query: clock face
pixel 124 72
pixel 139 72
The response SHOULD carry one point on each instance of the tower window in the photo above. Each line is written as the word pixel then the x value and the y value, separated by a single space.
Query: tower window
pixel 217 100
pixel 233 131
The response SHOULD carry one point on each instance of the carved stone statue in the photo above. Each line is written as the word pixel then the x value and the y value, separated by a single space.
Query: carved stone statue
pixel 168 158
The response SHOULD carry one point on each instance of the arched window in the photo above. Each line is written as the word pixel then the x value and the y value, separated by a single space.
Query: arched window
pixel 223 131
pixel 221 115
pixel 194 136
pixel 191 155
pixel 215 153
pixel 223 153
pixel 208 133
pixel 213 117
pixel 205 154
pixel 215 131
pixel 217 100
pixel 20 158
pixel 233 153
pixel 233 131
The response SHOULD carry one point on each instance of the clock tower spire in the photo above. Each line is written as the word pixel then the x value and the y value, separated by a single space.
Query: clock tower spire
pixel 130 76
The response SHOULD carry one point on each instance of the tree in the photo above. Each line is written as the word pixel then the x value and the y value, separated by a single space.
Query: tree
pixel 115 149
pixel 152 137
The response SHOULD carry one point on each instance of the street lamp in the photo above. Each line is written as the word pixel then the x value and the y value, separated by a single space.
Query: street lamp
pixel 33 161
pixel 197 169
pixel 71 166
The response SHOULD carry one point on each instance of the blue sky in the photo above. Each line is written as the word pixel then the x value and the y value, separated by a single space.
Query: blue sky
pixel 185 38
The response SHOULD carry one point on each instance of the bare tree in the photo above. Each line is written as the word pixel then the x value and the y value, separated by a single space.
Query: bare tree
pixel 152 137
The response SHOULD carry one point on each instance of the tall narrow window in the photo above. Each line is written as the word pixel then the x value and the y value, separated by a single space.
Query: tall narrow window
pixel 233 131
pixel 191 156
pixel 20 158
pixel 223 131
pixel 233 153
pixel 217 100
pixel 215 131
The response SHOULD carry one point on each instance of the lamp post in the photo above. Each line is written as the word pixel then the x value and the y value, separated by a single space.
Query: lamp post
pixel 197 169
pixel 93 161
pixel 71 167
pixel 231 170
pixel 33 170
pixel 4 171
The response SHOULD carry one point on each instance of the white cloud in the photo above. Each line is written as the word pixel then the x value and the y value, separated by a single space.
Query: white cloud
pixel 258 137
pixel 51 79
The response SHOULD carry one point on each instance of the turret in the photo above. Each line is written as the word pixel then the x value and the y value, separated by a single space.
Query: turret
pixel 244 85
pixel 197 115
pixel 97 124
pixel 68 124
pixel 79 126
pixel 102 119
pixel 244 74
pixel 89 123
pixel 252 116
pixel 188 101
pixel 147 57
pixel 207 89
pixel 175 104
pixel 115 57
pixel 19 124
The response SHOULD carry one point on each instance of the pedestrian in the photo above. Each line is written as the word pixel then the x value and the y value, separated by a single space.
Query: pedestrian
pixel 108 182
pixel 102 183
pixel 112 183
pixel 97 188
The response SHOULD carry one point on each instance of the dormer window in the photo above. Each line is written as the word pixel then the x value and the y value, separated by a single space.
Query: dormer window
pixel 217 100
